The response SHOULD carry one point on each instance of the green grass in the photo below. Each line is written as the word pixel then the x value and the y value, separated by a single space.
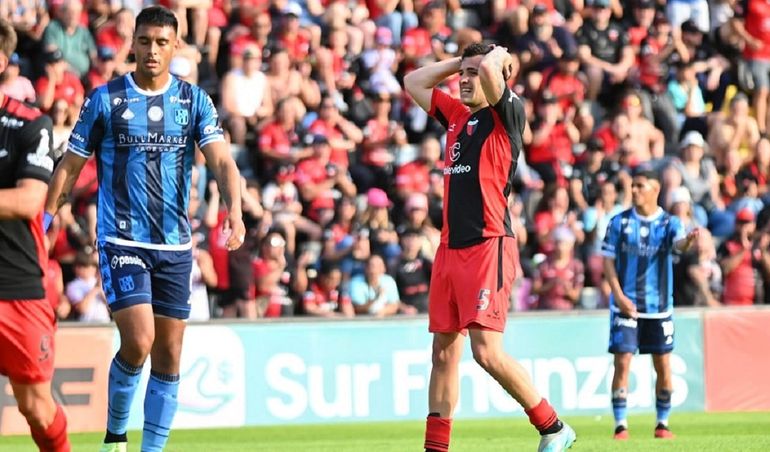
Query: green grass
pixel 726 432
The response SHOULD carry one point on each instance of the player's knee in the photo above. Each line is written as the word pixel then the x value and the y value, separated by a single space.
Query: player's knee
pixel 136 350
pixel 484 355
pixel 444 357
pixel 35 411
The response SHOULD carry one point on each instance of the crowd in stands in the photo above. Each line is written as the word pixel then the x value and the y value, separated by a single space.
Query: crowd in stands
pixel 342 172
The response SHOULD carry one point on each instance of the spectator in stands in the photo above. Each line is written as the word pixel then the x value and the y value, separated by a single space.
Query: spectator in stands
pixel 559 278
pixel 257 34
pixel 272 279
pixel 291 35
pixel 375 292
pixel 324 298
pixel 15 85
pixel 103 70
pixel 242 112
pixel 382 232
pixel 117 35
pixel 590 175
pixel 553 135
pixel 759 166
pixel 356 253
pixel 413 270
pixel 73 40
pixel 281 198
pixel 695 172
pixel 595 220
pixel 317 175
pixel 604 51
pixel 567 84
pixel 85 291
pixel 687 97
pixel 736 130
pixel 287 81
pixel 281 140
pixel 202 276
pixel 681 206
pixel 728 176
pixel 645 142
pixel 750 24
pixel 59 83
pixel 376 160
pixel 342 135
pixel 542 46
pixel 62 126
pixel 381 62
pixel 740 259
pixel 697 275
pixel 416 218
pixel 28 17
pixel 414 177
pixel 553 211
pixel 429 41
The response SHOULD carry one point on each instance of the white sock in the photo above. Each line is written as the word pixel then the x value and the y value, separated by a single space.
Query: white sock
pixel 621 422
pixel 663 421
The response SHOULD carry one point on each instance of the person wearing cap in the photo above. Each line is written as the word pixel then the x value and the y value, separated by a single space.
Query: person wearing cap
pixel 475 266
pixel 59 83
pixel 737 129
pixel 242 112
pixel 416 210
pixel 104 69
pixel 382 230
pixel 697 173
pixel 291 35
pixel 75 41
pixel 604 51
pixel 559 279
pixel 638 265
pixel 381 61
pixel 15 85
pixel 743 257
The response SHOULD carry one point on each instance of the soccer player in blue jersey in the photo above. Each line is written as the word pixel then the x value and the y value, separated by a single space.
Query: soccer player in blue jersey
pixel 142 129
pixel 637 253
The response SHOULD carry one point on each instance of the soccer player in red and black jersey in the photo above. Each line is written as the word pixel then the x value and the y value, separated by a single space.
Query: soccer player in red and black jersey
pixel 475 264
pixel 27 319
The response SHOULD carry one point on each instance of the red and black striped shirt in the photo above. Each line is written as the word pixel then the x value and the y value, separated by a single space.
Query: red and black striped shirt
pixel 480 160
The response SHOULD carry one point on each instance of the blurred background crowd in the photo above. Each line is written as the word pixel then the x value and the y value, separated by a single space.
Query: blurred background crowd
pixel 342 173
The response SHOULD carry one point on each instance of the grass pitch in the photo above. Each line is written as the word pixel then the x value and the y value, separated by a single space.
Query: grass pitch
pixel 724 432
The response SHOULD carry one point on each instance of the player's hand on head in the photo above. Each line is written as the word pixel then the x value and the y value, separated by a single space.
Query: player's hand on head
pixel 235 231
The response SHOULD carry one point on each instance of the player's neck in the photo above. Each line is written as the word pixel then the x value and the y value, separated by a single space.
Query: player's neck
pixel 150 83
pixel 646 211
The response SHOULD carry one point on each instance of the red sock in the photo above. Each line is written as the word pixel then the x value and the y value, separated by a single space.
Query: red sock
pixel 542 415
pixel 54 438
pixel 437 430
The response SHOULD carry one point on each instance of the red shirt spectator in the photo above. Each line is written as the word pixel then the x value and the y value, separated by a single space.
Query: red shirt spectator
pixel 413 177
pixel 339 156
pixel 756 17
pixel 562 82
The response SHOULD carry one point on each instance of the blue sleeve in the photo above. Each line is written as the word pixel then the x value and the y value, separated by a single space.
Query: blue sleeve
pixel 610 243
pixel 391 289
pixel 358 291
pixel 207 127
pixel 676 230
pixel 89 129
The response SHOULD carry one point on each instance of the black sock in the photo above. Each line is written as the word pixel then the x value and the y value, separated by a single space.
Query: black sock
pixel 110 437
pixel 554 428
pixel 661 426
pixel 620 428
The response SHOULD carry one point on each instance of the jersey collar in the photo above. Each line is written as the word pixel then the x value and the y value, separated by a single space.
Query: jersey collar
pixel 648 218
pixel 144 92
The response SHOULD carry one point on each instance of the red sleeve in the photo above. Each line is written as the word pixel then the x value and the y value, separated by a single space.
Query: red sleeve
pixel 443 106
pixel 41 85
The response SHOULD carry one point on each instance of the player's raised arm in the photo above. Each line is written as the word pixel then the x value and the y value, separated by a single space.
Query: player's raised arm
pixel 494 69
pixel 420 82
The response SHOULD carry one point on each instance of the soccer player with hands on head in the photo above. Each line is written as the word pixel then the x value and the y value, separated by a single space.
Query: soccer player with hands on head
pixel 475 264
pixel 142 128
pixel 638 249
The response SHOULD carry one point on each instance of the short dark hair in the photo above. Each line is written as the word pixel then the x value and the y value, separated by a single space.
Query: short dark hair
pixel 475 49
pixel 157 16
pixel 8 38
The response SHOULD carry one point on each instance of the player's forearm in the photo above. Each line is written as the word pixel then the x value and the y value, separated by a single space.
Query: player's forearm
pixel 491 67
pixel 63 180
pixel 228 179
pixel 427 77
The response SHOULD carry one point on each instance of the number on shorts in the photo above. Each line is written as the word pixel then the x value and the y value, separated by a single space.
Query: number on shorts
pixel 483 299
pixel 668 327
